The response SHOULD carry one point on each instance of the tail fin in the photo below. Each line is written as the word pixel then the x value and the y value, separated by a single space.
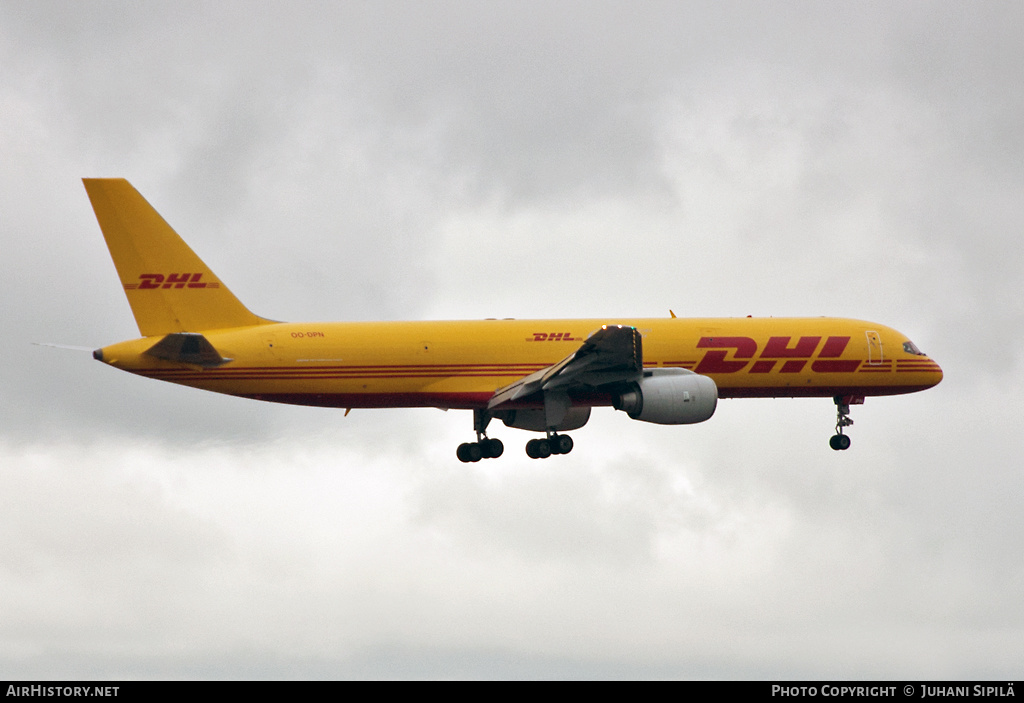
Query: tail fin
pixel 169 288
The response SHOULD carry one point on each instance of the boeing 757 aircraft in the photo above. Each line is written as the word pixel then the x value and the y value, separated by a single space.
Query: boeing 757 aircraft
pixel 538 375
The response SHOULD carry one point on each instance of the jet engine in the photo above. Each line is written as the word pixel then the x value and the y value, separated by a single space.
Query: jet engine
pixel 669 397
pixel 574 419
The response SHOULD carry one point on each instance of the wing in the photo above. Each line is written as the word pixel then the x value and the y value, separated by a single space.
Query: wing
pixel 613 353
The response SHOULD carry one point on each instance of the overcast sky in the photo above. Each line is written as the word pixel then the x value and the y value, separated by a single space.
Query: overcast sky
pixel 461 160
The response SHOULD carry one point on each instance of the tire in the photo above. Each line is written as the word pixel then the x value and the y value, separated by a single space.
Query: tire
pixel 469 453
pixel 493 448
pixel 561 444
pixel 839 442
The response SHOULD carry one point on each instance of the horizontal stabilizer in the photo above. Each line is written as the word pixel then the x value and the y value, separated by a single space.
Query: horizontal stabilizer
pixel 69 347
pixel 187 348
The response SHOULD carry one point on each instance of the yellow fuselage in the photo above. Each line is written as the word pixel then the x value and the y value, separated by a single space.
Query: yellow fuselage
pixel 459 364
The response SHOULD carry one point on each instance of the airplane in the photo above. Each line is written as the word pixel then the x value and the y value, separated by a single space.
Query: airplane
pixel 543 376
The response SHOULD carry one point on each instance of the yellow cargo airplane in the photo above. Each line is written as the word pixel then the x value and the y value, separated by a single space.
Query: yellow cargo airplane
pixel 539 375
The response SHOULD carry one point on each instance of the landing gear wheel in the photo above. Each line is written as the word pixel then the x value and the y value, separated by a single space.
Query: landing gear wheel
pixel 469 453
pixel 839 442
pixel 484 449
pixel 492 448
pixel 560 444
pixel 531 449
pixel 538 449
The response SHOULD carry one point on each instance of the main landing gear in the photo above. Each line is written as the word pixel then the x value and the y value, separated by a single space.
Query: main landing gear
pixel 840 441
pixel 486 448
pixel 482 448
pixel 553 444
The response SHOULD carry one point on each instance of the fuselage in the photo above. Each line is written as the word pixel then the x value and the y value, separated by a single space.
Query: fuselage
pixel 460 364
pixel 535 375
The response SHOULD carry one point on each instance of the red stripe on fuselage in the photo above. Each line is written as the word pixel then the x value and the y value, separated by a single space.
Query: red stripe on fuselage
pixel 480 400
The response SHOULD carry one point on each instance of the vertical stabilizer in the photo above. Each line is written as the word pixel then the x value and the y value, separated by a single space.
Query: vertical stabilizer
pixel 169 288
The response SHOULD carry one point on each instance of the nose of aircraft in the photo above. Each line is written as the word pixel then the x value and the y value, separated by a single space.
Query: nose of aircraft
pixel 919 371
pixel 926 371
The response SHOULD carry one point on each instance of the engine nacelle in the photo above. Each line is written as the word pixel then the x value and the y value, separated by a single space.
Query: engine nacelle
pixel 669 397
pixel 574 419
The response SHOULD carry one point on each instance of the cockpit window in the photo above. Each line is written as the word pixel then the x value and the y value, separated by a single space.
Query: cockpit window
pixel 911 348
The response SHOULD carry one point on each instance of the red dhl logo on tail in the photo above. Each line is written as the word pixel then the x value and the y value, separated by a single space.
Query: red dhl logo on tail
pixel 776 351
pixel 152 281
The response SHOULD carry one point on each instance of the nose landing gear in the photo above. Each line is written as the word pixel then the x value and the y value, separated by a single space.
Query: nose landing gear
pixel 840 441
